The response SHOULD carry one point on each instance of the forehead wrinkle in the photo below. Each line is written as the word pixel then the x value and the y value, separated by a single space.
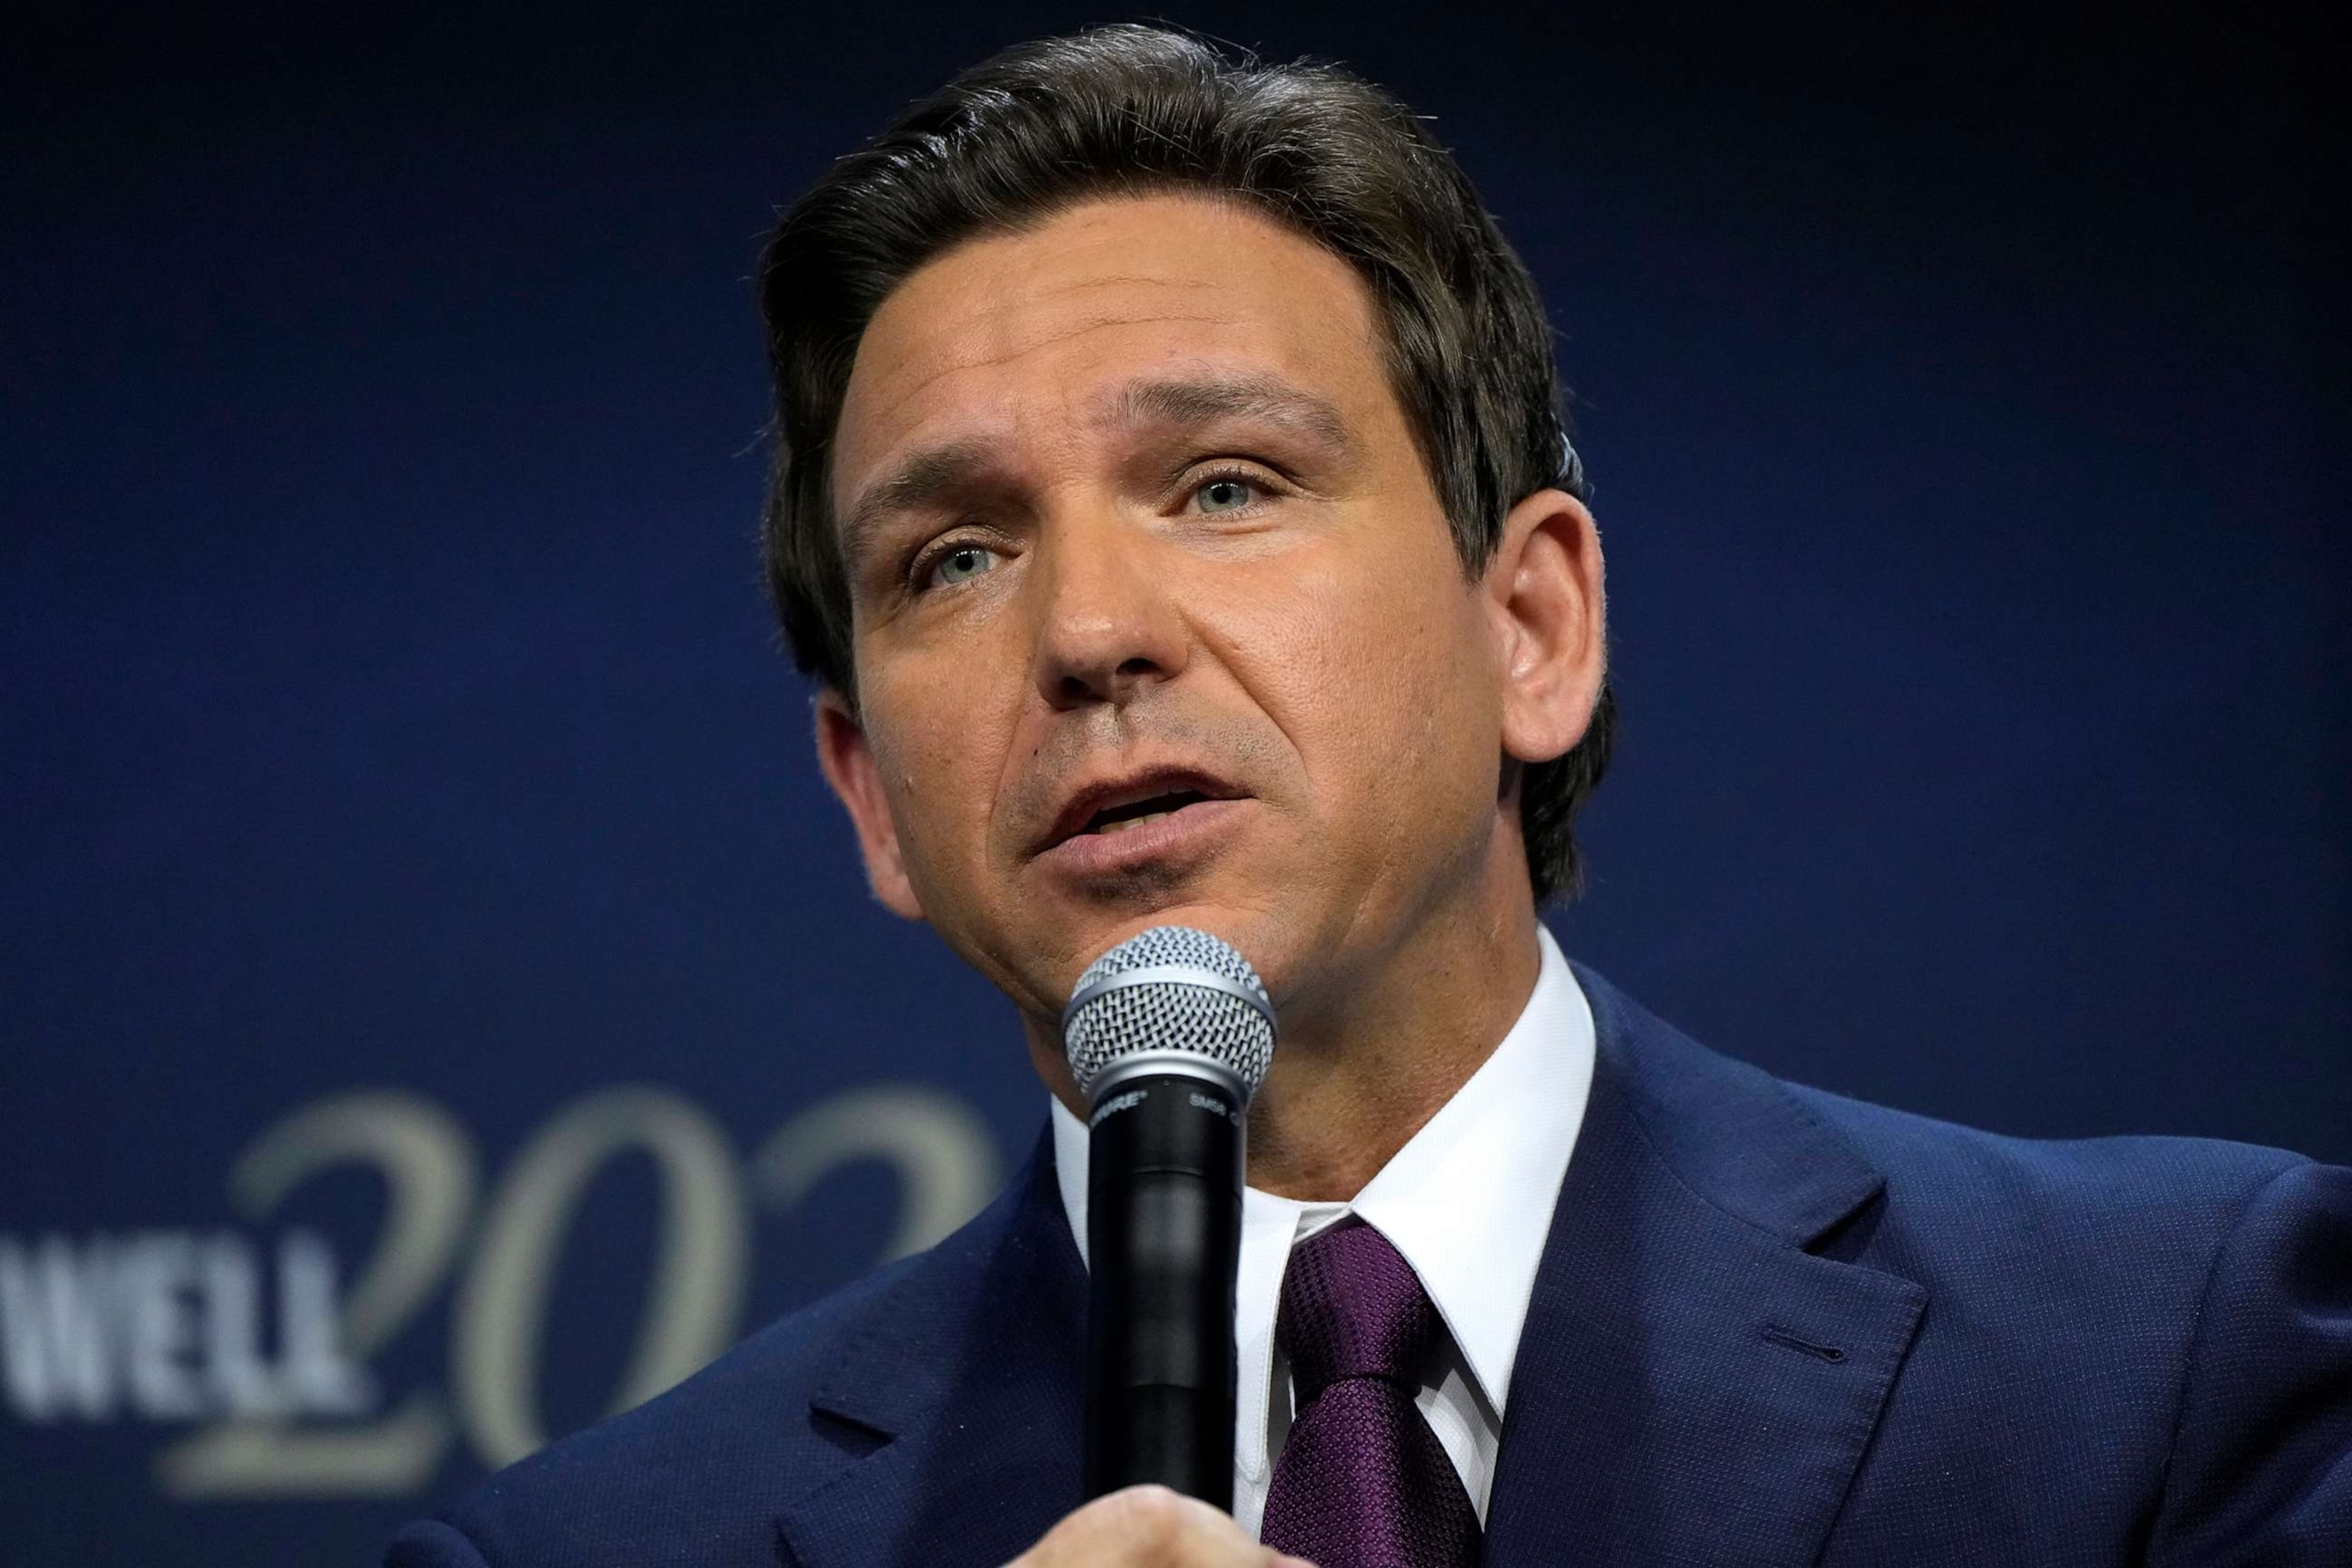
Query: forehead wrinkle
pixel 1006 356
pixel 873 504
pixel 1203 399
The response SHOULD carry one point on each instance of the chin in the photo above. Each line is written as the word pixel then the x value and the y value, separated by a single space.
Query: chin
pixel 1263 936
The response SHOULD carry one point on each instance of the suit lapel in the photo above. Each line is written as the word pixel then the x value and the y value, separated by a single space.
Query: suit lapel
pixel 1696 1382
pixel 964 1395
pixel 1693 1385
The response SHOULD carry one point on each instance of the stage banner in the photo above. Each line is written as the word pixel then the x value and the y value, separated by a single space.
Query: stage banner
pixel 370 1302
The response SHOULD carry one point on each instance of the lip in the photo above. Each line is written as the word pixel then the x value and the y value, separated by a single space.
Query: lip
pixel 1068 843
pixel 1180 835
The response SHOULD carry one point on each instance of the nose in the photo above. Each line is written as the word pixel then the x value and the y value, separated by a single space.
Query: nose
pixel 1108 626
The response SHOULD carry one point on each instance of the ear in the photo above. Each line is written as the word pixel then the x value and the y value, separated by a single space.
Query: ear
pixel 1544 593
pixel 846 758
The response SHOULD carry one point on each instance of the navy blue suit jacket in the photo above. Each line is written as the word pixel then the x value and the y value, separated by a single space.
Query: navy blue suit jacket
pixel 1771 1326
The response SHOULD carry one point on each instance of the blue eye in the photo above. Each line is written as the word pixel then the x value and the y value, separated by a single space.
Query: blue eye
pixel 963 564
pixel 1226 495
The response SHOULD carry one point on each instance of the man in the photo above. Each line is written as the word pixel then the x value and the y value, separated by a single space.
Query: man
pixel 1172 506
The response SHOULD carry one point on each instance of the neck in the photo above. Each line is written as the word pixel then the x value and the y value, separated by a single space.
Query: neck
pixel 1373 1047
pixel 1357 1078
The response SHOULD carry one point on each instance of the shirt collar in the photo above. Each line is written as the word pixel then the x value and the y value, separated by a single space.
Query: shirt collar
pixel 1468 1200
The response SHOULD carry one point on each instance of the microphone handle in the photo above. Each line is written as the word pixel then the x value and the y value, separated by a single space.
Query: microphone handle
pixel 1163 1243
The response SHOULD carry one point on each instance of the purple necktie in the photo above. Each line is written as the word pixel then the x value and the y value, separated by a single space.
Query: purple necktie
pixel 1362 1482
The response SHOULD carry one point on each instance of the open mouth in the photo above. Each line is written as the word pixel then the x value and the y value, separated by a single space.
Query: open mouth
pixel 1134 813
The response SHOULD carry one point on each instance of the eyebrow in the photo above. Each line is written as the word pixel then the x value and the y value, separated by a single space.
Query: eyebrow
pixel 929 474
pixel 922 479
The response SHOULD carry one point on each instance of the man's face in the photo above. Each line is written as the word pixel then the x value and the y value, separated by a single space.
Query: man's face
pixel 1156 617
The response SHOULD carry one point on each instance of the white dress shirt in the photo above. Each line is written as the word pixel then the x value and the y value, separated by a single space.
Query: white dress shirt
pixel 1468 1202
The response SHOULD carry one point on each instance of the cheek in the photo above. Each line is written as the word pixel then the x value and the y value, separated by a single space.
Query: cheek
pixel 1380 674
pixel 936 744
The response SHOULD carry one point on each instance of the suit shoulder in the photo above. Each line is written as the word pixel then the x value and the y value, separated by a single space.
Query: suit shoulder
pixel 697 1474
pixel 1707 1111
pixel 2136 1222
pixel 1926 1154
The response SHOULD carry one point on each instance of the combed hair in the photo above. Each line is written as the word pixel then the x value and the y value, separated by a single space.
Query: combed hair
pixel 1129 109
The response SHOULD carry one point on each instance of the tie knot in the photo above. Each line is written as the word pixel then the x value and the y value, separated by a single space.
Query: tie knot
pixel 1352 1307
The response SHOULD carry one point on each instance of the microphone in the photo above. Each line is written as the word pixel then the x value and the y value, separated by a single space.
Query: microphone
pixel 1168 1034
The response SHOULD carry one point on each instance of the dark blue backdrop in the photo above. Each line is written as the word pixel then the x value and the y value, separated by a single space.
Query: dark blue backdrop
pixel 420 905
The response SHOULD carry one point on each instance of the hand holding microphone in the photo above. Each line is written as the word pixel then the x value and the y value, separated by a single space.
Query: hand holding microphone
pixel 1151 1527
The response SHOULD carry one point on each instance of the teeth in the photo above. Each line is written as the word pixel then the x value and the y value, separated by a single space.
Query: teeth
pixel 1125 823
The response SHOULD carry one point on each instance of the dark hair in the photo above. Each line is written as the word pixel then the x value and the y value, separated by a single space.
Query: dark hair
pixel 1132 108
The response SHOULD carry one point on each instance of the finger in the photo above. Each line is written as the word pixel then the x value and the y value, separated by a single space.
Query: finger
pixel 1151 1527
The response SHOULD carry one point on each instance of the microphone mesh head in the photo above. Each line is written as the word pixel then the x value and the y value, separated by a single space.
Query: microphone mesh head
pixel 1163 1012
